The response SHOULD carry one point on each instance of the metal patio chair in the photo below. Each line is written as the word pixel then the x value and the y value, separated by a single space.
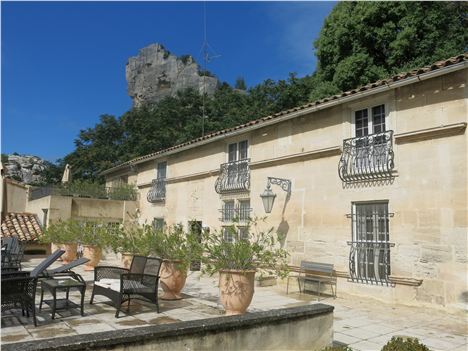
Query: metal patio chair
pixel 19 288
pixel 121 285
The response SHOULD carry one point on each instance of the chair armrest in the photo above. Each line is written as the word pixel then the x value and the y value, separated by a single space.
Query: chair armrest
pixel 108 272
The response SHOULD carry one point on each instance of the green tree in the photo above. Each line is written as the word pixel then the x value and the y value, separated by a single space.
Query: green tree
pixel 362 42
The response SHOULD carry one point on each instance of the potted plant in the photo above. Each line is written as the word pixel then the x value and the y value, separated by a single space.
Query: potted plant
pixel 94 237
pixel 63 234
pixel 129 241
pixel 177 249
pixel 238 259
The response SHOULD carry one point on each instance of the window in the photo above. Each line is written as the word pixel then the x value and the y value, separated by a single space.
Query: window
pixel 158 223
pixel 231 233
pixel 238 151
pixel 365 125
pixel 162 168
pixel 244 210
pixel 370 246
pixel 228 213
pixel 236 211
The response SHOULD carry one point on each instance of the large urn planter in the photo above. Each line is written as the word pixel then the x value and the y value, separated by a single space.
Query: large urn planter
pixel 126 259
pixel 172 280
pixel 93 254
pixel 70 252
pixel 236 290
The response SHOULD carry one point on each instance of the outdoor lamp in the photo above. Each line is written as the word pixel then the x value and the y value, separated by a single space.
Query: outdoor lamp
pixel 268 196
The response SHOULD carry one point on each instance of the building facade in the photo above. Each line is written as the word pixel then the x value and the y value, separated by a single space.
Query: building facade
pixel 373 180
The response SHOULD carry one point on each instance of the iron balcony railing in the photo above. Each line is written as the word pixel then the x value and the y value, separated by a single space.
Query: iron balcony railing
pixel 234 177
pixel 101 192
pixel 369 262
pixel 157 192
pixel 367 158
pixel 235 214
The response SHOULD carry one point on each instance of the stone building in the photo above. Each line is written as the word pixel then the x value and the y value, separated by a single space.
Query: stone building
pixel 373 180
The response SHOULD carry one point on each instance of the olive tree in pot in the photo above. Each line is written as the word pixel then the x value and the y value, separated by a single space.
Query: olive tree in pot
pixel 177 249
pixel 131 240
pixel 95 236
pixel 63 235
pixel 237 258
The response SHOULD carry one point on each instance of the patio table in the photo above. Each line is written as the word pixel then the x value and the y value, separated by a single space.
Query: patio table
pixel 55 285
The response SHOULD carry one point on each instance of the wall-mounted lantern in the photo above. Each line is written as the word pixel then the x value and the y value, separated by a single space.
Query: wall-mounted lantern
pixel 268 196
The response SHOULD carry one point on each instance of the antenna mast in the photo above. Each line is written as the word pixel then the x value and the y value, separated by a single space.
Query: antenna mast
pixel 205 51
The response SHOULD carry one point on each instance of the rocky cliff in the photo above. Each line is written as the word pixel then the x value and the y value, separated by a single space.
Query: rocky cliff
pixel 24 168
pixel 156 73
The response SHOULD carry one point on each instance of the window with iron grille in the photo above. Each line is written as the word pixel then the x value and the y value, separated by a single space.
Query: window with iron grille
pixel 369 258
pixel 244 210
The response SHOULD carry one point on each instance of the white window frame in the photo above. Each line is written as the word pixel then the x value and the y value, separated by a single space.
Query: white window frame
pixel 237 142
pixel 368 107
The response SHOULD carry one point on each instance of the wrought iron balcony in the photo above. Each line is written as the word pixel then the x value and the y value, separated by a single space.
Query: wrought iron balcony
pixel 235 214
pixel 369 262
pixel 234 177
pixel 157 192
pixel 367 158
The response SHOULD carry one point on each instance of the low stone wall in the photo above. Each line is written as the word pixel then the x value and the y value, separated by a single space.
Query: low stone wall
pixel 307 327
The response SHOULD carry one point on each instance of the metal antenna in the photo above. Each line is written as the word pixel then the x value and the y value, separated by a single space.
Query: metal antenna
pixel 205 51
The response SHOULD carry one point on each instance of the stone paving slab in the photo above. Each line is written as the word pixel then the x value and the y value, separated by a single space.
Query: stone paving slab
pixel 363 324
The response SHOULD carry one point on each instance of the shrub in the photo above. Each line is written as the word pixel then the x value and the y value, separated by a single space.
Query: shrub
pixel 404 344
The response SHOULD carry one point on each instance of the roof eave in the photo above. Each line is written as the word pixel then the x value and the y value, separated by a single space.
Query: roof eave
pixel 358 95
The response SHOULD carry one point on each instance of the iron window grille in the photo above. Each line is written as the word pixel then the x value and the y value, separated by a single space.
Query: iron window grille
pixel 369 256
pixel 157 193
pixel 234 177
pixel 368 157
pixel 232 213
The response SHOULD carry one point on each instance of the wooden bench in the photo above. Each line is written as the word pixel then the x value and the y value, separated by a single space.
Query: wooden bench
pixel 314 272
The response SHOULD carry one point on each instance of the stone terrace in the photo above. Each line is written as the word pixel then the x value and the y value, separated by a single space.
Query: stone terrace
pixel 361 324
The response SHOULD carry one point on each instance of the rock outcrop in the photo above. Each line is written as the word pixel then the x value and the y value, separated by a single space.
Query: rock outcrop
pixel 25 168
pixel 156 73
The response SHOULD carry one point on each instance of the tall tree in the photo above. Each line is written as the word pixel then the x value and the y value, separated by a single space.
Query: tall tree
pixel 362 42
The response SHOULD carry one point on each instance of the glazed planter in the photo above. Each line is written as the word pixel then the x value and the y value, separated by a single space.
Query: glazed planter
pixel 172 280
pixel 236 290
pixel 70 252
pixel 126 259
pixel 94 254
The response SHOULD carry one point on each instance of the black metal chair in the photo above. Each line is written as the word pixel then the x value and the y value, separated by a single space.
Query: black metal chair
pixel 12 254
pixel 121 285
pixel 19 288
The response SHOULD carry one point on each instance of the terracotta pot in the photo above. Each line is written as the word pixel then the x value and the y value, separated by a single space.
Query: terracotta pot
pixel 54 247
pixel 126 259
pixel 70 252
pixel 172 280
pixel 94 254
pixel 236 290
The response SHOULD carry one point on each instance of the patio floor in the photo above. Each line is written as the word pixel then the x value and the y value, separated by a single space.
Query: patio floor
pixel 361 324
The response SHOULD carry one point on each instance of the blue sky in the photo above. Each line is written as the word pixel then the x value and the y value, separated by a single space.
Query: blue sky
pixel 63 63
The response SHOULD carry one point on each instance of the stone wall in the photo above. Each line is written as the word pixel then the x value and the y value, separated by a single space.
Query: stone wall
pixel 307 327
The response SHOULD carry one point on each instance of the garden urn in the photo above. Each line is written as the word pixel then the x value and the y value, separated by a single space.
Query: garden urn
pixel 236 290
pixel 172 279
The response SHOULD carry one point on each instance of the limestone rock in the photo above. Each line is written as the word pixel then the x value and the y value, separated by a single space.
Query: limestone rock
pixel 156 73
pixel 25 168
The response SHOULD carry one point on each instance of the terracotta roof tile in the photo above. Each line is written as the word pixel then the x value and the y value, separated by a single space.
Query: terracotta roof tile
pixel 401 76
pixel 25 226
